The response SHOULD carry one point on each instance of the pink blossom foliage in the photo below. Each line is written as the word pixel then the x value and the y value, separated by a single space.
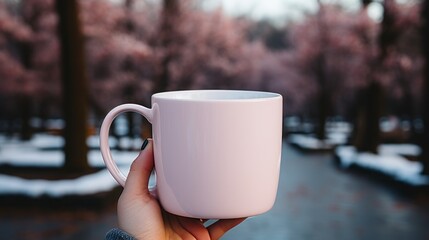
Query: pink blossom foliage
pixel 45 49
pixel 124 53
pixel 343 42
pixel 117 58
pixel 404 62
pixel 349 44
pixel 209 50
pixel 14 79
pixel 214 53
pixel 29 50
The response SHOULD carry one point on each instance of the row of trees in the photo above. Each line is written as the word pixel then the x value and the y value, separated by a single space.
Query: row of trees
pixel 334 62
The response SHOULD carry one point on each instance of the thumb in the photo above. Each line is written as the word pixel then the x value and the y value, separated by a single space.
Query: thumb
pixel 137 181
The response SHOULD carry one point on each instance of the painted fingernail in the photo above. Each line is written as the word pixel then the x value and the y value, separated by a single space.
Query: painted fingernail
pixel 144 144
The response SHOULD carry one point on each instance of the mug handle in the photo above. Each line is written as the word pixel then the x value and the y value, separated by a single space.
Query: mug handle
pixel 104 136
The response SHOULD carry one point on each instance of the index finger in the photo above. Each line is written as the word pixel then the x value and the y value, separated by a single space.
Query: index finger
pixel 219 228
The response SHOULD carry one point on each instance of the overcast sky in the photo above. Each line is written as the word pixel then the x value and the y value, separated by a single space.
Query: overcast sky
pixel 280 10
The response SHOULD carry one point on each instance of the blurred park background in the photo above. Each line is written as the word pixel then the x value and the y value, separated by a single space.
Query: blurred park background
pixel 354 75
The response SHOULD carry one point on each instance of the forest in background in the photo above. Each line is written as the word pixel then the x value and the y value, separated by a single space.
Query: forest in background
pixel 333 63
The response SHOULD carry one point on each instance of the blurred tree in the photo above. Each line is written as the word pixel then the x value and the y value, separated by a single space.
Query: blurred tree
pixel 130 90
pixel 30 41
pixel 197 49
pixel 425 39
pixel 169 38
pixel 118 57
pixel 42 55
pixel 216 56
pixel 75 89
pixel 15 42
pixel 370 99
pixel 404 66
pixel 323 99
pixel 117 54
pixel 158 54
pixel 24 101
pixel 394 76
pixel 331 54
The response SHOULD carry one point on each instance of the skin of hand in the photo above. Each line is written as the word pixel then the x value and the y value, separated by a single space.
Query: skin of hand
pixel 140 214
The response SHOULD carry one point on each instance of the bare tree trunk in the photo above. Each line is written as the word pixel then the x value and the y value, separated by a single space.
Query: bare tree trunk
pixel 389 32
pixel 166 37
pixel 167 32
pixel 425 38
pixel 26 131
pixel 370 101
pixel 129 24
pixel 75 89
pixel 367 127
pixel 323 102
pixel 323 99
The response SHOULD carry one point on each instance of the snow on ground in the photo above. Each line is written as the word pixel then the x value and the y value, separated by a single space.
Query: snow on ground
pixel 31 154
pixel 389 161
pixel 38 158
pixel 399 149
pixel 45 141
pixel 312 143
pixel 89 184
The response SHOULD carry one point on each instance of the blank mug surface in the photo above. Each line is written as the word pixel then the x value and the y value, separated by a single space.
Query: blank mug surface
pixel 217 153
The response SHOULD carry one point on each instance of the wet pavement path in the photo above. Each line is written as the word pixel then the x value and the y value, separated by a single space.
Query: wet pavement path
pixel 315 200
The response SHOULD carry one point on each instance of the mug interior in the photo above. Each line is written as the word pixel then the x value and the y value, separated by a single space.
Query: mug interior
pixel 204 95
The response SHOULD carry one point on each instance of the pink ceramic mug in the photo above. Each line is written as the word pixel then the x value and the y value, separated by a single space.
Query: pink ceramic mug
pixel 217 152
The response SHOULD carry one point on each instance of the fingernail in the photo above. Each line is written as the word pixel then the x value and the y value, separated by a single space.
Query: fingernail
pixel 144 144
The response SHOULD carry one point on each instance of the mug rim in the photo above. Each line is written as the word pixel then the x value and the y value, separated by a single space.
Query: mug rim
pixel 216 95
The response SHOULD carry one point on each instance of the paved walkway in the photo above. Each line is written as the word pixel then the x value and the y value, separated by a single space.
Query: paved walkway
pixel 315 201
pixel 318 201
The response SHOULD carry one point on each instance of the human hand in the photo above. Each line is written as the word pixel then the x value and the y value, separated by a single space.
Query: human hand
pixel 140 214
